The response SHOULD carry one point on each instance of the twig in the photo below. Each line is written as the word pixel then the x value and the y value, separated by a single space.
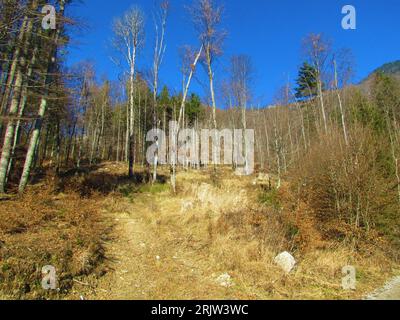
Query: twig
pixel 82 283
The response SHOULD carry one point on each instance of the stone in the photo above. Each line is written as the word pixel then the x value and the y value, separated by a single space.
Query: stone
pixel 225 280
pixel 285 261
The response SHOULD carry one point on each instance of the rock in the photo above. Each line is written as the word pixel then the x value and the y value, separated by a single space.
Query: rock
pixel 285 261
pixel 225 280
pixel 142 245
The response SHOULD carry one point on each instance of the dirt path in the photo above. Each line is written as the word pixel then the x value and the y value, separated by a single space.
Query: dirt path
pixel 152 257
pixel 127 251
pixel 391 291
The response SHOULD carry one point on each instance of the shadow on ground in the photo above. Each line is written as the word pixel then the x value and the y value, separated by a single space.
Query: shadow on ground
pixel 101 179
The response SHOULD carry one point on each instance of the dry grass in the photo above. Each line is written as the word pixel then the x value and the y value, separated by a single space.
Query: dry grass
pixel 180 244
pixel 48 228
pixel 175 246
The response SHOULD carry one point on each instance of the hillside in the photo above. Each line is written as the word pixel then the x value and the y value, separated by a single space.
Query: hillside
pixel 177 159
pixel 212 240
pixel 391 68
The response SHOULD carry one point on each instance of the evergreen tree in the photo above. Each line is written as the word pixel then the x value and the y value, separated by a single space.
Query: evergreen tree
pixel 193 108
pixel 306 82
pixel 164 103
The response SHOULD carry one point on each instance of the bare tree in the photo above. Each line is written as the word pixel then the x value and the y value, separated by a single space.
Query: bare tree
pixel 207 16
pixel 160 23
pixel 191 70
pixel 128 39
pixel 241 73
pixel 343 71
pixel 318 50
pixel 86 79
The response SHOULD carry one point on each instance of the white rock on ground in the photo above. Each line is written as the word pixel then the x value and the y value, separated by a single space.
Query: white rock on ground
pixel 285 261
pixel 225 280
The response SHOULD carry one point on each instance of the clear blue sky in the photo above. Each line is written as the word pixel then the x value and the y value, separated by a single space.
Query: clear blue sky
pixel 269 31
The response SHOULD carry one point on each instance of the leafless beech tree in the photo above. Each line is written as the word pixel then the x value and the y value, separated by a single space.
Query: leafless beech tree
pixel 129 38
pixel 318 50
pixel 188 71
pixel 207 18
pixel 241 73
pixel 343 71
pixel 160 23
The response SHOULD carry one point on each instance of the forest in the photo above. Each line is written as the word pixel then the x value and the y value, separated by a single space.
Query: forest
pixel 76 185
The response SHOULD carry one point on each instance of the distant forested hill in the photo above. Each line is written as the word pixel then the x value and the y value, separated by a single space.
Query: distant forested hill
pixel 392 68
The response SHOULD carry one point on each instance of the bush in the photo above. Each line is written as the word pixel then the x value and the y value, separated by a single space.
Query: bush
pixel 270 198
pixel 347 184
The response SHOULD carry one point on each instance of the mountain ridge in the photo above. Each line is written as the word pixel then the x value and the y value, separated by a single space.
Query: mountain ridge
pixel 391 68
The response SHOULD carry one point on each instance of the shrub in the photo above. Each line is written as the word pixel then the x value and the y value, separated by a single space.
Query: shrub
pixel 347 184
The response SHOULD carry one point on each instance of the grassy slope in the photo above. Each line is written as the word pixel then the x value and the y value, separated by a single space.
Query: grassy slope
pixel 176 246
pixel 166 246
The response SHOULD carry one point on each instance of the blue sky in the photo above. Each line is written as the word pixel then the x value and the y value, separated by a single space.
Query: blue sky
pixel 269 31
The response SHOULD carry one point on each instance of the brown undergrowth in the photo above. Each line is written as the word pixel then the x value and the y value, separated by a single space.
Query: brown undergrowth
pixel 45 227
pixel 246 240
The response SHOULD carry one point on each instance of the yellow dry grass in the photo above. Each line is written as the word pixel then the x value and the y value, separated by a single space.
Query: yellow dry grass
pixel 175 246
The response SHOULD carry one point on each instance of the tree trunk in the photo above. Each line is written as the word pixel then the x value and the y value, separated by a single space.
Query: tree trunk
pixel 132 117
pixel 346 139
pixel 321 99
pixel 175 132
pixel 9 136
pixel 14 65
pixel 42 110
pixel 17 65
pixel 32 147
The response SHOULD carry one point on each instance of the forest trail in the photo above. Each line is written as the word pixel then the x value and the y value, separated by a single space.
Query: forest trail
pixel 391 291
pixel 146 265
pixel 152 257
